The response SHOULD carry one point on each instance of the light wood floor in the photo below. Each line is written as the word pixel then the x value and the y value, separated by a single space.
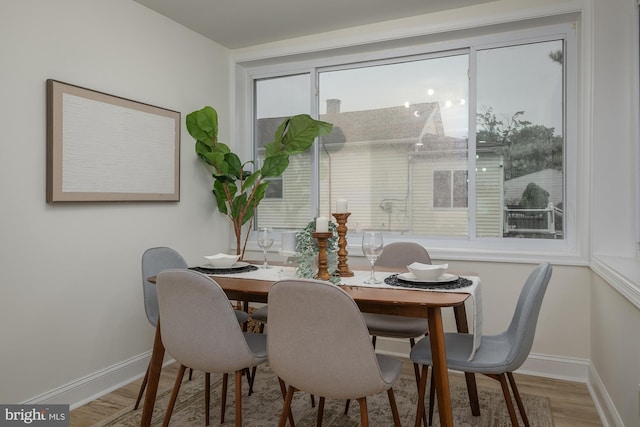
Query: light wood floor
pixel 571 403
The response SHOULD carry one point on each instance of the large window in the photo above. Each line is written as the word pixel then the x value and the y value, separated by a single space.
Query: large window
pixel 467 143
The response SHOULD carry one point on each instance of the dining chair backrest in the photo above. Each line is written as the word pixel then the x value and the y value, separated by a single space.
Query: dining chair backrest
pixel 154 260
pixel 401 254
pixel 199 328
pixel 522 328
pixel 318 341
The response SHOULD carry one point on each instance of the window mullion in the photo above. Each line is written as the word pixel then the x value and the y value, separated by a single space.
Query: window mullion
pixel 471 144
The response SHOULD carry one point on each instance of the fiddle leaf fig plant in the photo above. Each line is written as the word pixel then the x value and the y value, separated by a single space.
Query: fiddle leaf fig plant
pixel 239 187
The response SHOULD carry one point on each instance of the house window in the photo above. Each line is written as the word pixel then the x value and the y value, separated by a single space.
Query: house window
pixel 469 142
pixel 450 189
pixel 275 189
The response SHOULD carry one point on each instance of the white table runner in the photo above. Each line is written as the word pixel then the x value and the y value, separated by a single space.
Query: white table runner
pixel 280 273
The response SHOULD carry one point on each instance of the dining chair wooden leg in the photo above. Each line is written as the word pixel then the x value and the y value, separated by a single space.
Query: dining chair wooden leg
pixel 286 408
pixel 190 373
pixel 207 397
pixel 422 385
pixel 142 387
pixel 516 394
pixel 250 374
pixel 223 397
pixel 283 391
pixel 507 398
pixel 472 391
pixel 394 407
pixel 364 412
pixel 174 395
pixel 320 412
pixel 416 372
pixel 432 398
pixel 239 398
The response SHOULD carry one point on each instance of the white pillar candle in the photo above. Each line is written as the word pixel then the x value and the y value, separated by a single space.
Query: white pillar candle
pixel 322 225
pixel 341 206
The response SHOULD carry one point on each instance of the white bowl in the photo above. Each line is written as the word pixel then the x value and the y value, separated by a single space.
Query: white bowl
pixel 221 260
pixel 427 271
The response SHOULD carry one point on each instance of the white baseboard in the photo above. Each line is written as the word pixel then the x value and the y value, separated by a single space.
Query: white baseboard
pixel 91 387
pixel 603 402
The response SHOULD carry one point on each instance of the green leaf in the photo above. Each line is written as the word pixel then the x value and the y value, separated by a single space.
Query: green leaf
pixel 226 179
pixel 250 180
pixel 234 165
pixel 237 204
pixel 274 147
pixel 216 160
pixel 223 148
pixel 204 152
pixel 260 192
pixel 221 198
pixel 301 132
pixel 203 125
pixel 258 195
pixel 275 165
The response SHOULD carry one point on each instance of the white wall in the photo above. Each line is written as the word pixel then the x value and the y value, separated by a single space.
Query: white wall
pixel 70 291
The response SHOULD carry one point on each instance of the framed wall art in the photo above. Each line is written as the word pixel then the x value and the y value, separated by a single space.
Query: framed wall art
pixel 102 147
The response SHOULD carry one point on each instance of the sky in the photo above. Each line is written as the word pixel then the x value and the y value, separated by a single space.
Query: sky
pixel 511 79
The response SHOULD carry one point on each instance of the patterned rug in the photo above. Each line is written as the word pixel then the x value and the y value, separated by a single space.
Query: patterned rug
pixel 263 407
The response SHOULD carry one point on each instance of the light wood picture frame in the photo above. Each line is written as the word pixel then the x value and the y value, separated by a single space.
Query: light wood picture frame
pixel 102 147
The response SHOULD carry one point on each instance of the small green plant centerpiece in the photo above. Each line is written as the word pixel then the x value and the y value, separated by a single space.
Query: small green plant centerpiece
pixel 239 187
pixel 308 251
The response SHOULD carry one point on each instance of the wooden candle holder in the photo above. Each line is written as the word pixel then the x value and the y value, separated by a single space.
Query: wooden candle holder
pixel 343 266
pixel 323 265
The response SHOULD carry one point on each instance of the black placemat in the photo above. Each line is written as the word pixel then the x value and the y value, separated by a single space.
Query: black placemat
pixel 461 282
pixel 206 270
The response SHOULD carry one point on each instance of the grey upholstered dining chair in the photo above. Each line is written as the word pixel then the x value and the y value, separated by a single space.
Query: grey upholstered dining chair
pixel 318 343
pixel 398 255
pixel 154 260
pixel 498 355
pixel 200 330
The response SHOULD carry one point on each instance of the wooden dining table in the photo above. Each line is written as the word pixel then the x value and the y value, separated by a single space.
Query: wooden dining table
pixel 403 302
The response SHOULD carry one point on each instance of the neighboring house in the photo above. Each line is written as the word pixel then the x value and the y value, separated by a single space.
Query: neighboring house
pixel 550 179
pixel 414 178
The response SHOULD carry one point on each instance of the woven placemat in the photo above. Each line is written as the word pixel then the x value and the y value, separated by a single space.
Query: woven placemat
pixel 206 270
pixel 461 282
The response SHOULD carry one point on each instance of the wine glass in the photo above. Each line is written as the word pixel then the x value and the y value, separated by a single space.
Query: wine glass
pixel 372 247
pixel 265 240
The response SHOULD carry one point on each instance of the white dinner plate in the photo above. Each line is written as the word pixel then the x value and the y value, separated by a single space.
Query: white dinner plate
pixel 445 278
pixel 238 264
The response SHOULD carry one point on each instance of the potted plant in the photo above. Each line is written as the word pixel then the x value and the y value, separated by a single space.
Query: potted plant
pixel 239 187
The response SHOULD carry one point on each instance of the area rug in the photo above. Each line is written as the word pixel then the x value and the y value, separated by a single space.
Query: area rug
pixel 263 407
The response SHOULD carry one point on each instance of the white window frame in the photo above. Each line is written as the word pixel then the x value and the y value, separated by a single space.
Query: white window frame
pixel 571 249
